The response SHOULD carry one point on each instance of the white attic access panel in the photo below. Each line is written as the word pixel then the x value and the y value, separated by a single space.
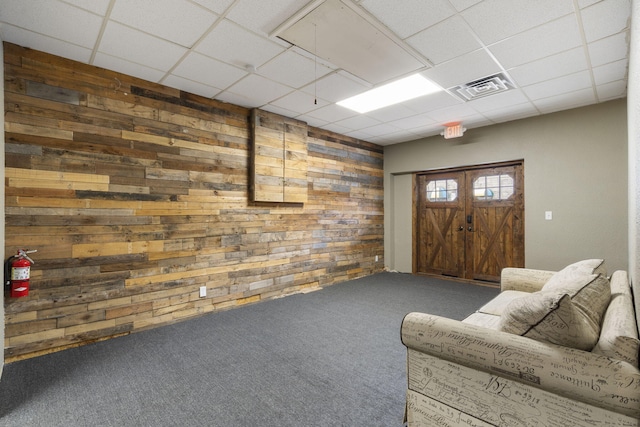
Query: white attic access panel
pixel 339 32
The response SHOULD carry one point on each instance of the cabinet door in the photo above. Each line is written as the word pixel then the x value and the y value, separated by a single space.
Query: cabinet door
pixel 279 158
pixel 295 163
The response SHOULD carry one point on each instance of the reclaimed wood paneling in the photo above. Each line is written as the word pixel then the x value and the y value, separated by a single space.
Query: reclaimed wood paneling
pixel 136 194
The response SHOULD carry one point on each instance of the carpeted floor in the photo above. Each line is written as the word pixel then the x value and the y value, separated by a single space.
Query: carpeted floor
pixel 327 358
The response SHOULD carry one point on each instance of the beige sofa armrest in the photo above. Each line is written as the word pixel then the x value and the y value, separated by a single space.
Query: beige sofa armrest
pixel 576 374
pixel 523 279
pixel 620 283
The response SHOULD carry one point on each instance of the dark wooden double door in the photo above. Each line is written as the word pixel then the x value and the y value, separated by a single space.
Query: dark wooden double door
pixel 469 223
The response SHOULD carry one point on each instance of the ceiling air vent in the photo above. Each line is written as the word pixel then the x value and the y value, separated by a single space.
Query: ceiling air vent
pixel 485 86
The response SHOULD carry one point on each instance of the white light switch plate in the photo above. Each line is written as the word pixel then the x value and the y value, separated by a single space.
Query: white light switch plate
pixel 548 215
pixel 203 291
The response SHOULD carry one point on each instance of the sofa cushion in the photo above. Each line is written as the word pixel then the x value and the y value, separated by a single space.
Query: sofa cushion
pixel 550 317
pixel 497 305
pixel 589 292
pixel 619 335
pixel 485 320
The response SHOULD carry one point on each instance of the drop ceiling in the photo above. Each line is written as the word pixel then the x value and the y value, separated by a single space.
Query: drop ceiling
pixel 559 54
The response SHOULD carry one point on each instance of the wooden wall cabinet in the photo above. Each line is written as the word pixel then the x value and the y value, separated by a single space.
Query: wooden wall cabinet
pixel 278 159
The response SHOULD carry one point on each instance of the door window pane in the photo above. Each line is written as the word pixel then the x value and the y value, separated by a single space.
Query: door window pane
pixel 493 187
pixel 442 190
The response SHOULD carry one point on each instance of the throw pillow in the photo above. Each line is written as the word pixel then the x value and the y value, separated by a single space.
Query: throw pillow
pixel 550 317
pixel 589 292
pixel 588 266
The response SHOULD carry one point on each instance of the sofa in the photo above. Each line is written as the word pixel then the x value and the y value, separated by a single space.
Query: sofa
pixel 552 349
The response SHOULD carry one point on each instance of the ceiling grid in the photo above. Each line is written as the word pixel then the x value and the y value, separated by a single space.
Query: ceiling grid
pixel 557 54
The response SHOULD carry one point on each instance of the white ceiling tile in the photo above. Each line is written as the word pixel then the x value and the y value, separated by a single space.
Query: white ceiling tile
pixel 570 83
pixel 464 69
pixel 610 72
pixel 392 112
pixel 565 101
pixel 461 5
pixel 32 40
pixel 312 121
pixel 498 101
pixel 398 137
pixel 381 129
pixel 335 87
pixel 476 122
pixel 263 17
pixel 331 113
pixel 236 46
pixel 546 40
pixel 453 114
pixel 558 65
pixel 586 3
pixel 607 50
pixel 190 86
pixel 293 69
pixel 411 122
pixel 435 101
pixel 469 121
pixel 178 21
pixel 444 41
pixel 359 134
pixel 301 102
pixel 605 18
pixel 260 90
pixel 428 130
pixel 210 72
pixel 513 112
pixel 336 128
pixel 96 6
pixel 126 67
pixel 59 20
pixel 134 46
pixel 411 17
pixel 495 20
pixel 359 121
pixel 217 6
pixel 612 90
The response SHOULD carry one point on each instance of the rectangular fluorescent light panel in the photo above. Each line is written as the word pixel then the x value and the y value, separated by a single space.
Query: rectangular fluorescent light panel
pixel 392 93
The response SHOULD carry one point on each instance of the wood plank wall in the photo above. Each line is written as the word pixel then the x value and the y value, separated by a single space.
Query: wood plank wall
pixel 135 195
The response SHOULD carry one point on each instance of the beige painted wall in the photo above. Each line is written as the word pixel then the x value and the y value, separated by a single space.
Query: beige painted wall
pixel 2 201
pixel 634 152
pixel 575 165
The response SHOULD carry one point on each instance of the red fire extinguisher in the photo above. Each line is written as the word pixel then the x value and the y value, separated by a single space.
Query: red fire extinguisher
pixel 20 273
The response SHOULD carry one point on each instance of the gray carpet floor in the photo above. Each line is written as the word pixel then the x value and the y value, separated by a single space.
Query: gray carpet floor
pixel 328 358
